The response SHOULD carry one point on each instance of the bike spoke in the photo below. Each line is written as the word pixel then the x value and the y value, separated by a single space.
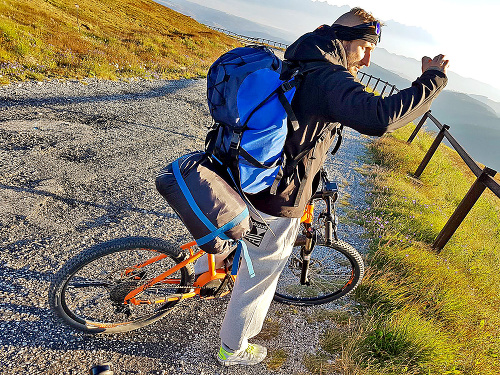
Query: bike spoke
pixel 330 275
pixel 89 283
pixel 90 291
pixel 101 299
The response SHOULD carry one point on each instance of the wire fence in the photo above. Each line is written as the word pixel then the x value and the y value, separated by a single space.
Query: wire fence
pixel 485 175
pixel 251 39
pixel 385 88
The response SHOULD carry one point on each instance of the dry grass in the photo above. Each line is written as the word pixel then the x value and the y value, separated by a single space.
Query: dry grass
pixel 109 39
pixel 424 312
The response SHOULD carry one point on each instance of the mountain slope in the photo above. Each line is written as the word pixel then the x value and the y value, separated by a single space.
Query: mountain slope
pixel 492 104
pixel 216 18
pixel 403 65
pixel 474 124
pixel 288 19
pixel 291 17
pixel 103 38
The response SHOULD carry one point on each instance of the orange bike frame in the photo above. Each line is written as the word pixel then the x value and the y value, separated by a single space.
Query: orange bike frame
pixel 308 215
pixel 212 274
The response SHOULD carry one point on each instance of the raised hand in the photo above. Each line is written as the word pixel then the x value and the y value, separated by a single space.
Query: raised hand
pixel 439 62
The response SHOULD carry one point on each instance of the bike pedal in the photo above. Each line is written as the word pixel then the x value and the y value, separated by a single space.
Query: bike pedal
pixel 210 288
pixel 216 288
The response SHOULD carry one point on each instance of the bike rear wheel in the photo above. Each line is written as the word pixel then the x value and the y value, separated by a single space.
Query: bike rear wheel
pixel 334 271
pixel 88 292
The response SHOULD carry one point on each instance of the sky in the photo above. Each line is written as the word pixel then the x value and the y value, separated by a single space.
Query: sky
pixel 463 30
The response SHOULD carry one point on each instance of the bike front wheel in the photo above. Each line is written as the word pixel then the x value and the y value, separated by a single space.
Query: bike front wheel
pixel 334 271
pixel 89 292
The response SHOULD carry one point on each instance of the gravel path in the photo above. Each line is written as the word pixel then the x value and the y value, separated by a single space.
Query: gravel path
pixel 77 167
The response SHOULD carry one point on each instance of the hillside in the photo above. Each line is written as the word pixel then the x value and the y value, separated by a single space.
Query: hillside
pixel 239 25
pixel 474 121
pixel 105 39
pixel 423 312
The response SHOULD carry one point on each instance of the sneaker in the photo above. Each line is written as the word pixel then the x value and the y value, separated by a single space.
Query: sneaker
pixel 252 355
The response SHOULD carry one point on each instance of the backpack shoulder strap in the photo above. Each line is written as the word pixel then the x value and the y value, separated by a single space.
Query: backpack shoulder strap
pixel 286 86
pixel 340 128
pixel 307 171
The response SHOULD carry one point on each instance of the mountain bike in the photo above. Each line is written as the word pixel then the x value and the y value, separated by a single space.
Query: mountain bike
pixel 128 283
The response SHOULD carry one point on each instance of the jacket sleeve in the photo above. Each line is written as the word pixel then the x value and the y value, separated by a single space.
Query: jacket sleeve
pixel 346 101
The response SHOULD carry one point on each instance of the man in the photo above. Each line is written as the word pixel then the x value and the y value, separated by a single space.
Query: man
pixel 329 94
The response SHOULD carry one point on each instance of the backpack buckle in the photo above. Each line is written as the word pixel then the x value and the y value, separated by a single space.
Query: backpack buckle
pixel 235 140
pixel 235 144
pixel 286 86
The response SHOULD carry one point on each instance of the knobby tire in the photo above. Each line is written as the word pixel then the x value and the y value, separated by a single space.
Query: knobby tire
pixel 335 270
pixel 87 291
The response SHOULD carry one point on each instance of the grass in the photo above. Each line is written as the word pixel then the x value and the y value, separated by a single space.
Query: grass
pixel 269 330
pixel 110 39
pixel 424 312
pixel 275 359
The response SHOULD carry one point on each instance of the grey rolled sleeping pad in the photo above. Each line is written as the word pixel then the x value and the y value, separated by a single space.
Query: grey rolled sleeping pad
pixel 215 198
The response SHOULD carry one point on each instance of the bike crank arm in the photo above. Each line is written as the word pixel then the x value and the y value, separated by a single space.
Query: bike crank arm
pixel 161 277
pixel 170 298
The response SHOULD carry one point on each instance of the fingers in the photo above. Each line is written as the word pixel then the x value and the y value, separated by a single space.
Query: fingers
pixel 438 62
pixel 438 58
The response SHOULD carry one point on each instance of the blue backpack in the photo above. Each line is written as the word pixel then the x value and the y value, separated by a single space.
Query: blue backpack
pixel 250 105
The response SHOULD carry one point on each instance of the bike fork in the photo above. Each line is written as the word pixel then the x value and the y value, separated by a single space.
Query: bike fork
pixel 330 220
pixel 306 254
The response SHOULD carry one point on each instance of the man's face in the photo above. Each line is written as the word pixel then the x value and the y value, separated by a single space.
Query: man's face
pixel 359 53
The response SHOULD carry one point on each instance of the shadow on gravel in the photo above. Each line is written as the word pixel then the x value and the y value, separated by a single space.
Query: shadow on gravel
pixel 17 273
pixel 25 246
pixel 30 326
pixel 28 334
pixel 112 210
pixel 38 328
pixel 109 122
pixel 169 88
pixel 98 122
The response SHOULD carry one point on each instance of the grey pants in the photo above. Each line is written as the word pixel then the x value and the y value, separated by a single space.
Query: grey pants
pixel 251 297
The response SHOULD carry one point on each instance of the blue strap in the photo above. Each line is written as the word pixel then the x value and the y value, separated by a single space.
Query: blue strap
pixel 214 231
pixel 189 197
pixel 236 260
pixel 220 232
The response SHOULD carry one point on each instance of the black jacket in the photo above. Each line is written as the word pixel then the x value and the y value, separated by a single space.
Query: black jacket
pixel 330 94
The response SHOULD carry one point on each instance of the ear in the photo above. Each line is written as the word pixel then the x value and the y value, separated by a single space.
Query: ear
pixel 346 44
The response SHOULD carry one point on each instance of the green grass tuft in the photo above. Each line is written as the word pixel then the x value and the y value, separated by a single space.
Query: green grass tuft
pixel 275 359
pixel 423 312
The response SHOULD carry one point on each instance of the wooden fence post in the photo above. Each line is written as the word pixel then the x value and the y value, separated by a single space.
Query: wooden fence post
pixel 431 151
pixel 417 129
pixel 462 210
